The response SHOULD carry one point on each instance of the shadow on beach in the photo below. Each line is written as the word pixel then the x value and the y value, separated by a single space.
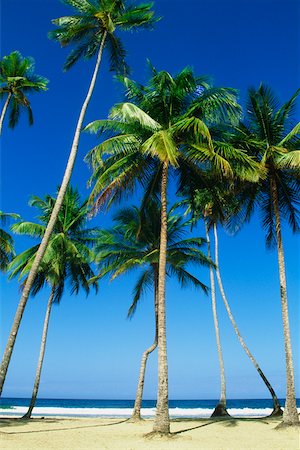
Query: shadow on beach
pixel 18 421
pixel 226 422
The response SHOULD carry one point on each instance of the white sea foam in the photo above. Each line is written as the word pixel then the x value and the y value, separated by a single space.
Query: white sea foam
pixel 126 412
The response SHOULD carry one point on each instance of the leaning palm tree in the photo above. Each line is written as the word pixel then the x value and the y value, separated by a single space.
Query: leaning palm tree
pixel 270 135
pixel 17 80
pixel 219 204
pixel 91 29
pixel 164 127
pixel 67 260
pixel 220 409
pixel 7 251
pixel 134 243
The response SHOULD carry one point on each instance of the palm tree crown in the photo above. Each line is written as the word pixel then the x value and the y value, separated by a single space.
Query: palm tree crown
pixel 17 80
pixel 68 256
pixel 168 120
pixel 133 243
pixel 270 135
pixel 95 19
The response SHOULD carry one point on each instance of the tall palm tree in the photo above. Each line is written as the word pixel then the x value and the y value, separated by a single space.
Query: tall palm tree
pixel 7 251
pixel 219 204
pixel 164 127
pixel 270 134
pixel 134 243
pixel 91 29
pixel 67 259
pixel 17 80
pixel 220 409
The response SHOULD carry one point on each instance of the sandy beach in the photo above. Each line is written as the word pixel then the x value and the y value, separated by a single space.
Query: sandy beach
pixel 114 434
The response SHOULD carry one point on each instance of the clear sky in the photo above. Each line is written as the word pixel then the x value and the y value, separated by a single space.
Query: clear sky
pixel 92 350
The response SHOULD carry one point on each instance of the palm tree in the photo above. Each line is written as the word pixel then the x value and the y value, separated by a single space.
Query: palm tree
pixel 134 243
pixel 270 135
pixel 91 30
pixel 7 251
pixel 220 410
pixel 67 259
pixel 17 80
pixel 165 127
pixel 219 203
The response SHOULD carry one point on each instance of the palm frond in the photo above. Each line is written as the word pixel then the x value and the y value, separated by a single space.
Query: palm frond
pixel 144 282
pixel 128 112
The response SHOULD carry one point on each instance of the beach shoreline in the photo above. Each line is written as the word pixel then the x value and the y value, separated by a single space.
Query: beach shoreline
pixel 122 434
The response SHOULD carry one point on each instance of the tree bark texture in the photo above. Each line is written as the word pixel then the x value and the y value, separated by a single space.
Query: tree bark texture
pixel 162 419
pixel 290 414
pixel 51 224
pixel 139 394
pixel 3 112
pixel 220 409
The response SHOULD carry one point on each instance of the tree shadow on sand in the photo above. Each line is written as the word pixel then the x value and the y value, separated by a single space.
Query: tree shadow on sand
pixel 18 421
pixel 226 422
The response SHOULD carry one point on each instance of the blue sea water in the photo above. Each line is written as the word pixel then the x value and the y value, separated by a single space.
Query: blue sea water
pixel 123 408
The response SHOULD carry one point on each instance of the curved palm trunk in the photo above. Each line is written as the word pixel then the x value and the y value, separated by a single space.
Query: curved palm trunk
pixel 41 357
pixel 5 106
pixel 220 409
pixel 277 411
pixel 50 226
pixel 136 414
pixel 162 419
pixel 290 415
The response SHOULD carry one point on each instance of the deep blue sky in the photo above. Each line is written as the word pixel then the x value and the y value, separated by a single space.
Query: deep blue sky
pixel 93 351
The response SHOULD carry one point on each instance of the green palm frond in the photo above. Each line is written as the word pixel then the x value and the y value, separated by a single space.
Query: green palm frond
pixel 7 251
pixel 135 17
pixel 117 55
pixel 84 6
pixel 194 125
pixel 289 160
pixel 29 228
pixel 291 135
pixel 7 217
pixel 216 105
pixel 17 78
pixel 186 278
pixel 284 113
pixel 144 282
pixel 161 145
pixel 128 113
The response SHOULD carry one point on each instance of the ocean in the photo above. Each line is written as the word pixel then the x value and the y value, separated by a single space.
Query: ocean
pixel 123 408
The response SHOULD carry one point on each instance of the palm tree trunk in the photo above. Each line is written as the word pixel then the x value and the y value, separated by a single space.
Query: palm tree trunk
pixel 41 357
pixel 220 409
pixel 136 415
pixel 162 419
pixel 277 411
pixel 43 246
pixel 290 414
pixel 4 110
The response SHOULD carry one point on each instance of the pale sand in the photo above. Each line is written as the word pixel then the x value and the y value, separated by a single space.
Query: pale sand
pixel 114 434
